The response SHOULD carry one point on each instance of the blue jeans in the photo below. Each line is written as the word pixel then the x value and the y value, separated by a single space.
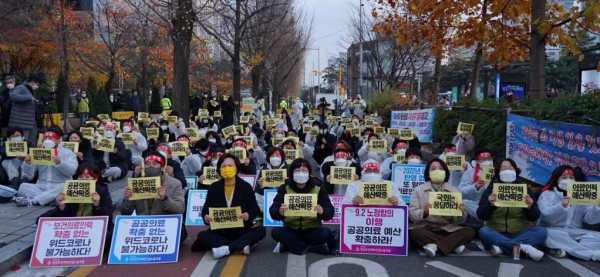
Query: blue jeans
pixel 82 118
pixel 298 241
pixel 533 236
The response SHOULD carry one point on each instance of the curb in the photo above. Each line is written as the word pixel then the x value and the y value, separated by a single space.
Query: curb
pixel 16 253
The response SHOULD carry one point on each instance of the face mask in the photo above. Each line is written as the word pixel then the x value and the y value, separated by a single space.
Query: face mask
pixel 152 171
pixel 212 141
pixel 48 144
pixel 563 183
pixel 508 176
pixel 413 161
pixel 275 161
pixel 163 153
pixel 486 163
pixel 239 148
pixel 214 163
pixel 83 95
pixel 204 153
pixel 371 177
pixel 10 86
pixel 126 129
pixel 324 131
pixel 109 134
pixel 229 141
pixel 316 128
pixel 301 178
pixel 164 128
pixel 401 152
pixel 250 125
pixel 279 136
pixel 34 87
pixel 437 176
pixel 340 162
pixel 205 121
pixel 450 153
pixel 17 139
pixel 228 173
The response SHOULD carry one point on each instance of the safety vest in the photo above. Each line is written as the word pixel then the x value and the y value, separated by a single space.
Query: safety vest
pixel 283 105
pixel 165 103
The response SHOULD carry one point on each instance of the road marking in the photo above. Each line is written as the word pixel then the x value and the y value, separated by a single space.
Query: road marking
pixel 452 269
pixel 296 266
pixel 205 266
pixel 509 270
pixel 465 253
pixel 235 264
pixel 82 271
pixel 320 268
pixel 575 267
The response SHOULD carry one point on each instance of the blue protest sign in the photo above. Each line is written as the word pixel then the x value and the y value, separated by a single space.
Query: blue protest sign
pixel 407 177
pixel 267 220
pixel 196 199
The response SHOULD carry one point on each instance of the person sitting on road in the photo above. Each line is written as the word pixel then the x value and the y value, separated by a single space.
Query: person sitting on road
pixel 230 191
pixel 342 158
pixel 298 234
pixel 365 152
pixel 564 222
pixel 12 165
pixel 276 158
pixel 85 152
pixel 113 164
pixel 434 232
pixel 455 175
pixel 472 185
pixel 505 227
pixel 51 178
pixel 139 143
pixel 173 167
pixel 370 173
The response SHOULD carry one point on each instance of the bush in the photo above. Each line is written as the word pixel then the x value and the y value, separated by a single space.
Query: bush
pixel 92 90
pixel 100 100
pixel 383 102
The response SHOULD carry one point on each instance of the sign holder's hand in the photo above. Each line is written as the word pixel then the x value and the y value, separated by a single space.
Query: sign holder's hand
pixel 358 200
pixel 137 171
pixel 244 216
pixel 492 199
pixel 528 201
pixel 393 200
pixel 319 209
pixel 60 201
pixel 480 183
pixel 95 199
pixel 426 208
pixel 208 219
pixel 260 181
pixel 201 179
pixel 56 159
pixel 565 201
pixel 282 209
pixel 128 194
pixel 28 159
pixel 328 178
pixel 461 207
pixel 161 193
pixel 356 177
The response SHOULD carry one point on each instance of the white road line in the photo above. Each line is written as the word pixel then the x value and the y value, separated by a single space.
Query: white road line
pixel 205 266
pixel 509 270
pixel 320 268
pixel 296 265
pixel 452 269
pixel 575 267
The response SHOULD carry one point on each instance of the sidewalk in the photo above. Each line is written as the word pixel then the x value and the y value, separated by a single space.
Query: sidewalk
pixel 18 227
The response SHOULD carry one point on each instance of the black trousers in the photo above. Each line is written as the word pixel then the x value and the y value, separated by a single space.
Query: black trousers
pixel 236 238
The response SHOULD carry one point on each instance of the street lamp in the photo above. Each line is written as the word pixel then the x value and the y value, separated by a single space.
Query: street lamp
pixel 318 66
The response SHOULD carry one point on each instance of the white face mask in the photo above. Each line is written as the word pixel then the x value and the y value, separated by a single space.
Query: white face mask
pixel 563 183
pixel 413 161
pixel 214 162
pixel 340 162
pixel 10 86
pixel 126 129
pixel 486 163
pixel 163 153
pixel 301 178
pixel 508 176
pixel 371 177
pixel 163 127
pixel 205 121
pixel 279 136
pixel 250 125
pixel 34 87
pixel 16 139
pixel 109 134
pixel 450 154
pixel 239 148
pixel 316 128
pixel 203 153
pixel 275 161
pixel 212 140
pixel 401 152
pixel 83 95
pixel 48 144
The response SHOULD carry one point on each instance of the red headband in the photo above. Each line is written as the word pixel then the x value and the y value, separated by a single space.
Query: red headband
pixel 110 126
pixel 303 164
pixel 484 155
pixel 568 172
pixel 155 158
pixel 162 147
pixel 453 148
pixel 183 139
pixel 370 165
pixel 401 144
pixel 52 135
pixel 218 154
pixel 341 154
pixel 277 152
pixel 87 172
pixel 240 143
pixel 128 123
pixel 340 145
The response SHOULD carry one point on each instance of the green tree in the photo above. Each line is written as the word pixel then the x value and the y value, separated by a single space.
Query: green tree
pixel 101 102
pixel 61 89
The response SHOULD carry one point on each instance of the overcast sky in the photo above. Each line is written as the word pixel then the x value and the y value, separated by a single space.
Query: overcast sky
pixel 329 31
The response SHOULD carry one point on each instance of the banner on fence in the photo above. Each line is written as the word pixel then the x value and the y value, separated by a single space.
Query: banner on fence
pixel 420 121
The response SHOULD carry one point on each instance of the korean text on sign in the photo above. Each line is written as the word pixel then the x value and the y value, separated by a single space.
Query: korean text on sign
pixel 583 193
pixel 300 205
pixel 342 175
pixel 40 156
pixel 375 193
pixel 178 147
pixel 16 148
pixel 510 195
pixel 106 144
pixel 225 218
pixel 377 230
pixel 455 162
pixel 211 175
pixel 378 145
pixel 196 200
pixel 144 188
pixel 445 203
pixel 79 191
pixel 336 201
pixel 239 153
pixel 273 178
pixel 407 178
pixel 465 128
pixel 487 174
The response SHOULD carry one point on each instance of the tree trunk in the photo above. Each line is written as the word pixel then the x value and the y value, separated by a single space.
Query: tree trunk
pixel 237 72
pixel 537 52
pixel 476 66
pixel 437 77
pixel 182 36
pixel 255 73
pixel 65 71
pixel 265 91
pixel 108 86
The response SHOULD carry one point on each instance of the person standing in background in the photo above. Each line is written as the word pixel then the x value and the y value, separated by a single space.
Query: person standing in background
pixel 5 102
pixel 23 109
pixel 83 104
pixel 227 112
pixel 134 102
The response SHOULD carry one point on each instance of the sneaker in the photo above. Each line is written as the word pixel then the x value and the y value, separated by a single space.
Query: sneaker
pixel 280 248
pixel 459 250
pixel 596 255
pixel 319 248
pixel 495 250
pixel 430 250
pixel 246 250
pixel 24 201
pixel 557 253
pixel 532 252
pixel 219 252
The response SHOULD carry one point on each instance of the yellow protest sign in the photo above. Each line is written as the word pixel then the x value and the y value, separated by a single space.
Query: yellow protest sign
pixel 291 155
pixel 455 162
pixel 127 138
pixel 342 175
pixel 152 133
pixel 244 119
pixel 379 130
pixel 73 146
pixel 104 117
pixel 239 153
pixel 143 116
pixel 87 132
pixel 306 129
pixel 41 156
pixel 583 193
pixel 465 128
pixel 204 114
pixel 487 174
pixel 276 141
pixel 314 133
pixel 106 144
pixel 117 125
pixel 166 113
pixel 445 203
pixel 355 132
pixel 406 134
pixel 248 139
pixel 172 120
pixel 510 195
pixel 16 148
pixel 122 115
pixel 178 147
pixel 217 114
pixel 100 131
pixel 378 145
pixel 229 131
pixel 375 193
pixel 393 132
pixel 95 123
pixel 399 159
pixel 240 129
pixel 143 188
pixel 346 120
pixel 351 126
pixel 79 191
pixel 356 102
pixel 271 122
pixel 192 133
pixel 225 218
pixel 211 175
pixel 300 205
pixel 369 122
pixel 273 177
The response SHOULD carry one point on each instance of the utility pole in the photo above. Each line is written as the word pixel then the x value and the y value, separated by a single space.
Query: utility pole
pixel 360 63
